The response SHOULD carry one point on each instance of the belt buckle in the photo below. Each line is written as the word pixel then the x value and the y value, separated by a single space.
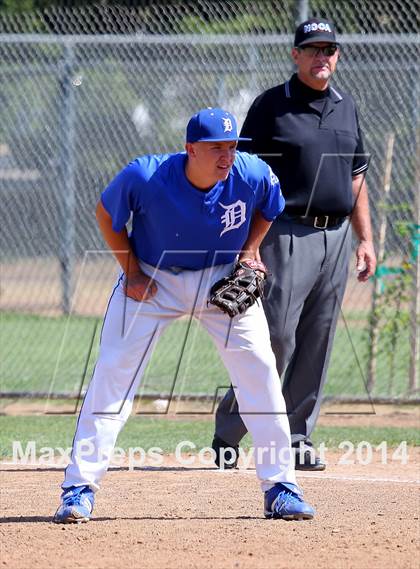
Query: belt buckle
pixel 326 217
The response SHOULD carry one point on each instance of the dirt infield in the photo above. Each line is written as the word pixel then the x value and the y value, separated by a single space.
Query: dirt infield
pixel 198 517
pixel 332 414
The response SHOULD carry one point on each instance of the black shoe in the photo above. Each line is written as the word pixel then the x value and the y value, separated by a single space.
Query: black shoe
pixel 226 455
pixel 307 459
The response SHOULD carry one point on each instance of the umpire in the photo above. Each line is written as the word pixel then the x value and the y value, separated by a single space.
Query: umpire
pixel 308 131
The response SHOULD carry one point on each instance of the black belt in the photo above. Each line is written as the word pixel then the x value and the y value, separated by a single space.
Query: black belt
pixel 319 222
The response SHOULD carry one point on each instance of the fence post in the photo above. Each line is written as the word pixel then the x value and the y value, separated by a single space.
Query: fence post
pixel 301 11
pixel 374 319
pixel 254 56
pixel 66 178
pixel 415 304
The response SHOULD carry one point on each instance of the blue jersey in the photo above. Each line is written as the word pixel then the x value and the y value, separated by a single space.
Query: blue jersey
pixel 176 225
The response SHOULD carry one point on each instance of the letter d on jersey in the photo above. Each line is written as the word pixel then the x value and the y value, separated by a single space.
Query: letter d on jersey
pixel 234 215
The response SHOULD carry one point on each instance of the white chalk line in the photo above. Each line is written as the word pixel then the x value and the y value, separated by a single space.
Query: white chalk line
pixel 339 477
pixel 230 472
pixel 361 478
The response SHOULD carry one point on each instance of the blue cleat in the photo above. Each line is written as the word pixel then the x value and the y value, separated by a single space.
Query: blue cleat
pixel 281 502
pixel 76 506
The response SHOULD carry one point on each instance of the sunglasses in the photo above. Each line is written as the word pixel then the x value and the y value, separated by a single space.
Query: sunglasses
pixel 313 50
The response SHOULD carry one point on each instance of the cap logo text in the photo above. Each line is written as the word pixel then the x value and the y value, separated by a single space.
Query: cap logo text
pixel 321 27
pixel 227 125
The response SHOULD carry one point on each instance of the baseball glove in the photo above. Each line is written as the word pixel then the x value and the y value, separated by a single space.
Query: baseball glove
pixel 235 293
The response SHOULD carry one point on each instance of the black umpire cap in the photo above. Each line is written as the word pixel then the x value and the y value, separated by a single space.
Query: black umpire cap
pixel 315 30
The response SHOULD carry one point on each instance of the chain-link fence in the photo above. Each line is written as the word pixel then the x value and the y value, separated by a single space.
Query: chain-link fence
pixel 84 91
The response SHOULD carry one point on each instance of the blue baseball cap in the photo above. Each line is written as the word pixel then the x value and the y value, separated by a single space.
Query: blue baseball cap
pixel 212 125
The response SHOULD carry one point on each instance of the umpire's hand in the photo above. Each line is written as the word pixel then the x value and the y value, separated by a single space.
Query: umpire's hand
pixel 139 286
pixel 365 260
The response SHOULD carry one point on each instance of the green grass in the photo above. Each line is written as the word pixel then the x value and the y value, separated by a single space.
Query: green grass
pixel 167 433
pixel 46 353
pixel 333 436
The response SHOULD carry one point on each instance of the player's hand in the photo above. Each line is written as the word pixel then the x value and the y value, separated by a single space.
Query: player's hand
pixel 365 260
pixel 254 261
pixel 139 286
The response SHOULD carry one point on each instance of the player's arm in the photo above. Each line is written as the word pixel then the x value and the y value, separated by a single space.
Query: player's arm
pixel 257 232
pixel 138 285
pixel 360 219
pixel 270 203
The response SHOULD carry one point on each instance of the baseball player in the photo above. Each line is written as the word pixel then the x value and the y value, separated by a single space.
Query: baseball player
pixel 194 214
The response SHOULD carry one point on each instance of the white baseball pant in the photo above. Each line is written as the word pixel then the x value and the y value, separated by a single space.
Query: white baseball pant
pixel 131 330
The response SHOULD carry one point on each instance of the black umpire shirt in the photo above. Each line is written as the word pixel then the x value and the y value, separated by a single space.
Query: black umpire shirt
pixel 312 141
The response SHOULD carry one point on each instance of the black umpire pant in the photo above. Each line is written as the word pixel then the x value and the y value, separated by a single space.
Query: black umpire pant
pixel 309 269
